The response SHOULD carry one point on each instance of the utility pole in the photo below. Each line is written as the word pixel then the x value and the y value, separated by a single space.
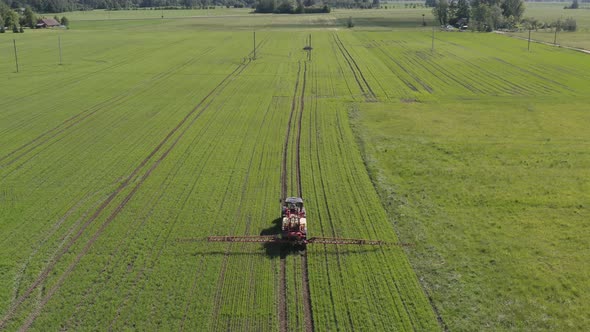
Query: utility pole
pixel 309 48
pixel 254 57
pixel 529 46
pixel 59 45
pixel 556 29
pixel 432 49
pixel 15 54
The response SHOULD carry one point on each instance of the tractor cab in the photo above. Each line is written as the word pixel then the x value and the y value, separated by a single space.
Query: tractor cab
pixel 293 205
pixel 294 219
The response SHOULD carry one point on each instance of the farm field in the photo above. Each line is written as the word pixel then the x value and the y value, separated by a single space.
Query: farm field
pixel 143 138
pixel 489 177
pixel 551 12
pixel 155 132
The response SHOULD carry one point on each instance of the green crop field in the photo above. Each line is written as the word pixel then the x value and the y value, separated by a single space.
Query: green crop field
pixel 125 141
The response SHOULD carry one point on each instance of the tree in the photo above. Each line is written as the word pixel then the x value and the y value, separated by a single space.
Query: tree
pixel 479 15
pixel 441 11
pixel 531 23
pixel 299 9
pixel 463 10
pixel 10 17
pixel 64 21
pixel 452 11
pixel 512 8
pixel 570 24
pixel 495 20
pixel 265 6
pixel 286 7
pixel 430 3
pixel 30 18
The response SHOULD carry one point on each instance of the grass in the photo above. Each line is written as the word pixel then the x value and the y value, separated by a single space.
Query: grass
pixel 157 129
pixel 142 136
pixel 491 185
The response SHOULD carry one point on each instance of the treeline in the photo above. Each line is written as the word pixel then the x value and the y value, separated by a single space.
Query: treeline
pixel 482 15
pixel 290 7
pixel 488 15
pixel 59 6
pixel 294 6
pixel 15 19
pixel 18 18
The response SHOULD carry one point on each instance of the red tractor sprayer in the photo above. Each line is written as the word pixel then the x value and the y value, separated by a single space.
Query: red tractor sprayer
pixel 294 225
pixel 294 230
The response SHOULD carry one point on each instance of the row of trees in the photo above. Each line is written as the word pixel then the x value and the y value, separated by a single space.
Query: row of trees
pixel 289 7
pixel 58 6
pixel 483 15
pixel 22 18
pixel 12 18
pixel 569 24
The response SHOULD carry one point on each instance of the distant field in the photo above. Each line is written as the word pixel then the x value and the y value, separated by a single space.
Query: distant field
pixel 395 17
pixel 551 12
pixel 100 14
pixel 400 17
pixel 152 130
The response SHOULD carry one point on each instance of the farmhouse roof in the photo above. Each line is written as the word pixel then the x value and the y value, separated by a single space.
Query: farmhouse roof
pixel 50 22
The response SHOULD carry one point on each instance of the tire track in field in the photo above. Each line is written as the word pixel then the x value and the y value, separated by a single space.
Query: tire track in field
pixel 364 85
pixel 501 78
pixel 154 258
pixel 226 253
pixel 284 175
pixel 78 118
pixel 159 76
pixel 152 205
pixel 260 45
pixel 532 73
pixel 50 232
pixel 324 198
pixel 79 78
pixel 220 87
pixel 283 310
pixel 307 307
pixel 395 292
pixel 221 280
pixel 305 292
pixel 404 69
pixel 313 123
pixel 333 46
pixel 141 274
pixel 45 273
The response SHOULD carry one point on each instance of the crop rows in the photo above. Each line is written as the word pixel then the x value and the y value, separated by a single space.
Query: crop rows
pixel 167 155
